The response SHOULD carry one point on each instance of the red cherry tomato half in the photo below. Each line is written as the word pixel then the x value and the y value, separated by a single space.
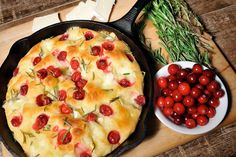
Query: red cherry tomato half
pixel 76 76
pixel 16 121
pixel 162 82
pixel 88 35
pixel 64 137
pixel 81 83
pixel 15 72
pixel 62 95
pixel 130 57
pixel 108 45
pixel 184 88
pixel 105 110
pixel 62 56
pixel 55 72
pixel 91 117
pixel 65 109
pixel 64 37
pixel 36 60
pixel 74 63
pixel 42 73
pixel 40 121
pixel 173 69
pixel 102 64
pixel 202 120
pixel 85 154
pixel 125 83
pixel 97 51
pixel 23 90
pixel 140 100
pixel 179 108
pixel 79 94
pixel 190 123
pixel 113 137
pixel 43 99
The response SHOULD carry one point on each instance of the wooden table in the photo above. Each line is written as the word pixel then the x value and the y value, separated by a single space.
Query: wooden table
pixel 219 17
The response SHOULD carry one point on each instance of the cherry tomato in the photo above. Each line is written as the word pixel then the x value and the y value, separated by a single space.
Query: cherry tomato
pixel 199 86
pixel 125 83
pixel 168 111
pixel 187 116
pixel 197 68
pixel 79 94
pixel 177 96
pixel 36 60
pixel 160 102
pixel 183 73
pixel 184 88
pixel 179 80
pixel 219 93
pixel 214 102
pixel 76 76
pixel 88 35
pixel 85 154
pixel 23 90
pixel 162 82
pixel 179 108
pixel 213 86
pixel 65 109
pixel 81 83
pixel 204 80
pixel 192 78
pixel 130 57
pixel 165 92
pixel 173 69
pixel 62 56
pixel 172 85
pixel 178 120
pixel 211 112
pixel 55 72
pixel 102 64
pixel 43 99
pixel 192 109
pixel 113 137
pixel 202 120
pixel 40 121
pixel 203 99
pixel 169 102
pixel 190 123
pixel 108 45
pixel 15 72
pixel 97 51
pixel 195 92
pixel 105 110
pixel 202 109
pixel 171 78
pixel 195 115
pixel 140 100
pixel 208 93
pixel 91 117
pixel 42 73
pixel 64 137
pixel 16 121
pixel 55 128
pixel 188 101
pixel 209 73
pixel 74 63
pixel 62 95
pixel 64 37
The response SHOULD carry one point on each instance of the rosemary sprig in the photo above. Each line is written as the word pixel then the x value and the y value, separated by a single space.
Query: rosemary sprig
pixel 177 27
pixel 26 134
pixel 114 99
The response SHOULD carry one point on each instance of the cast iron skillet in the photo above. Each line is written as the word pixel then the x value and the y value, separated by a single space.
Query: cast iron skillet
pixel 122 28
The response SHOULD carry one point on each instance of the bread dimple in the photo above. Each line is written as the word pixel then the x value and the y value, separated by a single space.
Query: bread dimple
pixel 66 86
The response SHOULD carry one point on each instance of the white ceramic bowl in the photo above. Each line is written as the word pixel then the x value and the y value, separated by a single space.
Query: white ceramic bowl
pixel 213 122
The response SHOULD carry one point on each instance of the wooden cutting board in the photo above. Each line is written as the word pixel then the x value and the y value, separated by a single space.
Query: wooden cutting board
pixel 159 137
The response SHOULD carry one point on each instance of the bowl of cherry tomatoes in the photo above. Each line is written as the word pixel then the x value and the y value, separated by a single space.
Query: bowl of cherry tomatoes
pixel 189 97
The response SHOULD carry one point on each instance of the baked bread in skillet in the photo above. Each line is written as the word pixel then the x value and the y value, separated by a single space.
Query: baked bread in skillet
pixel 77 94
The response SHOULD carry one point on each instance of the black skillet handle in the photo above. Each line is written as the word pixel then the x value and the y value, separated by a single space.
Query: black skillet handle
pixel 125 23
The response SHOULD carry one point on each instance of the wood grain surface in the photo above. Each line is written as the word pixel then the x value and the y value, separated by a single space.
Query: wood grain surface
pixel 219 18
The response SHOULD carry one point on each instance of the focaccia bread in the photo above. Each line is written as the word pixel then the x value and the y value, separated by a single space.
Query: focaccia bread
pixel 77 94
